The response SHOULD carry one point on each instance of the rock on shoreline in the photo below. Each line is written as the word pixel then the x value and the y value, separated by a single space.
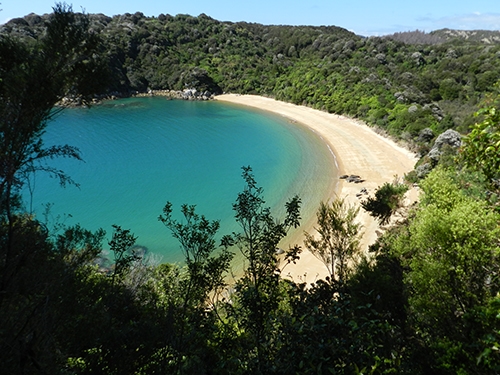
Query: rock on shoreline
pixel 186 94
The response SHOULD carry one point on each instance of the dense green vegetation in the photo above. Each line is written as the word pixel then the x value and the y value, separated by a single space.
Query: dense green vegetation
pixel 402 83
pixel 426 302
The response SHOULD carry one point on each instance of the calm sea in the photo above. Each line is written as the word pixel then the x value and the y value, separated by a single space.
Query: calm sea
pixel 140 153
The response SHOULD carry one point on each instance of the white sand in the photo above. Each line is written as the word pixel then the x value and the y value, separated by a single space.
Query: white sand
pixel 358 149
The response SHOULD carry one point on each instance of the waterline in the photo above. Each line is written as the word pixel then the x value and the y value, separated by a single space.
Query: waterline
pixel 141 152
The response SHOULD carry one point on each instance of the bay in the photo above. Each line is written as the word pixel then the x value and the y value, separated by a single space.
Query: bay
pixel 140 153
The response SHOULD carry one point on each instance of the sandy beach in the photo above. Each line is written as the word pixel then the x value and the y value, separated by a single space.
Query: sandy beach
pixel 358 150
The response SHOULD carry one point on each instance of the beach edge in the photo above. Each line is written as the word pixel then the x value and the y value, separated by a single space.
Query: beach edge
pixel 358 150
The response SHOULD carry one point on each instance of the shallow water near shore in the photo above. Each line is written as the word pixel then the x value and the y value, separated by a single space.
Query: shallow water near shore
pixel 140 153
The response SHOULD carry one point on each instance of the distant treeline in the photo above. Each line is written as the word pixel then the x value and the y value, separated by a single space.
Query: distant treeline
pixel 402 83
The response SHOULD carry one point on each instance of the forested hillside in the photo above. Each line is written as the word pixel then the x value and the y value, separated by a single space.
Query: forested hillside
pixel 425 301
pixel 402 83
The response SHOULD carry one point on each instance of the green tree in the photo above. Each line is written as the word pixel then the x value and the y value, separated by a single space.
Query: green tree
pixel 326 332
pixel 481 147
pixel 259 291
pixel 388 199
pixel 121 244
pixel 48 308
pixel 451 252
pixel 201 289
pixel 338 243
pixel 206 264
pixel 37 268
pixel 34 76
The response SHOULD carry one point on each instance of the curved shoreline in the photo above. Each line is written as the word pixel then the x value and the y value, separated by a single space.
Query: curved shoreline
pixel 357 149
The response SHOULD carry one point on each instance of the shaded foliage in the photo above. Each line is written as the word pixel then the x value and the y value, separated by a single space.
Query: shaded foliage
pixel 338 243
pixel 451 249
pixel 387 200
pixel 482 145
pixel 259 292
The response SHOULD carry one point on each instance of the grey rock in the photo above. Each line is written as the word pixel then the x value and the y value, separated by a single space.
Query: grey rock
pixel 423 170
pixel 425 135
pixel 413 108
pixel 418 58
pixel 450 137
pixel 400 97
pixel 354 178
pixel 437 112
pixel 381 58
pixel 434 154
pixel 416 55
pixel 451 54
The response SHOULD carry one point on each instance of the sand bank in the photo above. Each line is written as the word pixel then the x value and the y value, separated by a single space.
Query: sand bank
pixel 358 150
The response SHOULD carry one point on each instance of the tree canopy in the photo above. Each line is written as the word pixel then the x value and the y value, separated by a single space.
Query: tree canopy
pixel 402 83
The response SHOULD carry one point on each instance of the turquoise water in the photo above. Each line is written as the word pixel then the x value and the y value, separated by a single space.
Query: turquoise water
pixel 140 153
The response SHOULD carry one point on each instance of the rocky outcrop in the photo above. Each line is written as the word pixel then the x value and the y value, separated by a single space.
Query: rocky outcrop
pixel 352 178
pixel 186 94
pixel 423 170
pixel 449 138
pixel 199 80
pixel 425 136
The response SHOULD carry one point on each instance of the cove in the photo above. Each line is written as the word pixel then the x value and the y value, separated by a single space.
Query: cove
pixel 140 153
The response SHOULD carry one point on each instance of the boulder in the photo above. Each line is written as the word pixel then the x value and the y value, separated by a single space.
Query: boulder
pixel 450 137
pixel 423 170
pixel 434 154
pixel 425 135
pixel 354 178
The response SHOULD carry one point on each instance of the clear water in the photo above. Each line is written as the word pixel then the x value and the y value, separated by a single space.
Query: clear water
pixel 140 153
